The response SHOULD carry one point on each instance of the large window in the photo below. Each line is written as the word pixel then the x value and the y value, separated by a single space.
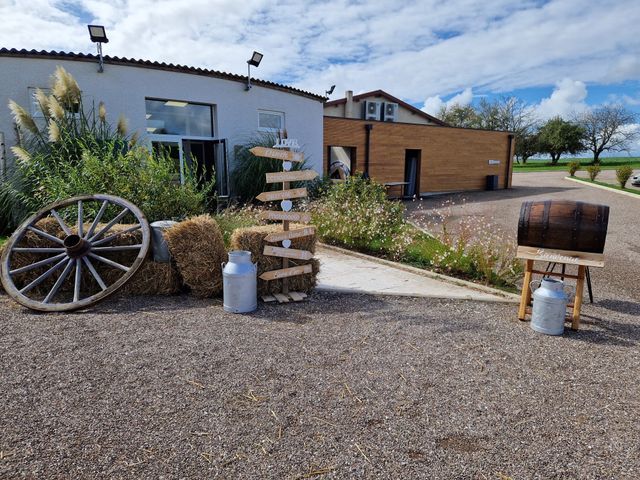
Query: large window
pixel 174 117
pixel 270 121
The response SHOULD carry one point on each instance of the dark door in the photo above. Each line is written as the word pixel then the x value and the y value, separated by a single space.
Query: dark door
pixel 412 173
pixel 208 159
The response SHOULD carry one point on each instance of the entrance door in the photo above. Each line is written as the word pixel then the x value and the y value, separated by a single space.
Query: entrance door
pixel 412 172
pixel 210 158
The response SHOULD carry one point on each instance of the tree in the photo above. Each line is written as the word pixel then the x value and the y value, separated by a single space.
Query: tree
pixel 607 128
pixel 459 116
pixel 558 136
pixel 527 146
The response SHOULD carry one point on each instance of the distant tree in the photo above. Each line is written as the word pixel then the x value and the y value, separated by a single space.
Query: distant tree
pixel 558 136
pixel 506 113
pixel 527 145
pixel 459 116
pixel 607 128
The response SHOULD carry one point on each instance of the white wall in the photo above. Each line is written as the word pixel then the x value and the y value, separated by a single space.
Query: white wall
pixel 123 90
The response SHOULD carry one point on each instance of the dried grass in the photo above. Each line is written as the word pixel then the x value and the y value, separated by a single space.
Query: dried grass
pixel 198 249
pixel 252 240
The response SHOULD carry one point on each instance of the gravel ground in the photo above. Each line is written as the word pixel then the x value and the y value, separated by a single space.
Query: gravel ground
pixel 339 386
pixel 618 282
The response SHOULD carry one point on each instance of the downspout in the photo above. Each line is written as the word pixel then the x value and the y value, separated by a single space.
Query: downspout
pixel 507 177
pixel 367 149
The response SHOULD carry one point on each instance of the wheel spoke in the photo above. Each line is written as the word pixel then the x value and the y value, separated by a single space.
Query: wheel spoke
pixel 59 282
pixel 44 234
pixel 110 224
pixel 38 250
pixel 43 277
pixel 117 248
pixel 33 266
pixel 115 235
pixel 95 274
pixel 78 280
pixel 111 263
pixel 96 220
pixel 63 225
pixel 80 218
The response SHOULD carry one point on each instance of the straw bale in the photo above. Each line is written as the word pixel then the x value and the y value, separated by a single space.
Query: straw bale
pixel 252 240
pixel 197 246
pixel 152 278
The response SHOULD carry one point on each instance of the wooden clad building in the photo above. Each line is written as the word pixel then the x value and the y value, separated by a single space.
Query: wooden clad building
pixel 418 155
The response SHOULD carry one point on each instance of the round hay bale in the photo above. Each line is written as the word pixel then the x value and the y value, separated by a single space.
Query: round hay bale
pixel 197 246
pixel 252 239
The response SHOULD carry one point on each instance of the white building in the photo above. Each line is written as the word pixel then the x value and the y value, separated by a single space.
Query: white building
pixel 190 110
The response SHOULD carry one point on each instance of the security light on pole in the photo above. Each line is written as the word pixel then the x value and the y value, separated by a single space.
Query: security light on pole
pixel 255 60
pixel 98 36
pixel 330 91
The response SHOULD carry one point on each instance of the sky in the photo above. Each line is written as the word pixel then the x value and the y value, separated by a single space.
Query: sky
pixel 561 56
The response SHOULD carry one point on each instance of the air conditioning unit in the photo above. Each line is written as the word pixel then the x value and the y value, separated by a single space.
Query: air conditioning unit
pixel 372 110
pixel 390 112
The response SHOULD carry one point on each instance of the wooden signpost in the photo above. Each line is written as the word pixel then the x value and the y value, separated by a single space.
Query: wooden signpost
pixel 281 151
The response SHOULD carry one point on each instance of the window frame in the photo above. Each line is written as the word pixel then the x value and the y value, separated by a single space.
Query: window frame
pixel 277 113
pixel 212 119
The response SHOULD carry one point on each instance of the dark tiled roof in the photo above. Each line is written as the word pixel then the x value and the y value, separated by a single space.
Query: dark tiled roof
pixel 382 93
pixel 87 57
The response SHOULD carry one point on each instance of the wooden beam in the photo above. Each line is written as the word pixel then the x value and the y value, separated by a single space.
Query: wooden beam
pixel 294 176
pixel 291 234
pixel 286 272
pixel 282 194
pixel 287 253
pixel 276 154
pixel 302 217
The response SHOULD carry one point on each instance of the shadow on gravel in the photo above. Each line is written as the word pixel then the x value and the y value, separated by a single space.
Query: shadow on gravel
pixel 622 306
pixel 606 332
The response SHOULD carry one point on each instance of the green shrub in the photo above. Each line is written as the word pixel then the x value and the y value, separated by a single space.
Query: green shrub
pixel 357 214
pixel 593 170
pixel 623 174
pixel 573 167
pixel 233 218
pixel 248 176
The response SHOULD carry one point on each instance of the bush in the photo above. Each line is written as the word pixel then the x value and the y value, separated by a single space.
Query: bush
pixel 356 214
pixel 574 166
pixel 623 174
pixel 593 170
pixel 76 151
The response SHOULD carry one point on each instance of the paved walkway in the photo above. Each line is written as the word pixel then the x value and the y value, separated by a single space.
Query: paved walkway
pixel 362 274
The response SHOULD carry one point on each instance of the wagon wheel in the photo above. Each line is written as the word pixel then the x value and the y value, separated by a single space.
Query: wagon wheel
pixel 79 239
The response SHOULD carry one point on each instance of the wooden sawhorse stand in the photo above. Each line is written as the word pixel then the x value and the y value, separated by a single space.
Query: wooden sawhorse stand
pixel 563 257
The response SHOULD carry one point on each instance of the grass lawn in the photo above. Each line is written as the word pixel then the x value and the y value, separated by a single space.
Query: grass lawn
pixel 609 185
pixel 543 165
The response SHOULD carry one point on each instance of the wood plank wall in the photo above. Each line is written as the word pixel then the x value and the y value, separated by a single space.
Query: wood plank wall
pixel 452 159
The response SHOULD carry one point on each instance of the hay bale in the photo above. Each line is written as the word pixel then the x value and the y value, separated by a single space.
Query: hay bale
pixel 198 249
pixel 152 278
pixel 252 240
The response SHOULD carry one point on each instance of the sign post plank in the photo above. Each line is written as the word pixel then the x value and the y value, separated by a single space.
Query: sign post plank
pixel 287 253
pixel 286 272
pixel 282 194
pixel 293 176
pixel 301 217
pixel 276 154
pixel 561 256
pixel 291 234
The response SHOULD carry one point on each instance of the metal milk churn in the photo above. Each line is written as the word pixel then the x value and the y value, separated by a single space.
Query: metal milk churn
pixel 549 306
pixel 240 283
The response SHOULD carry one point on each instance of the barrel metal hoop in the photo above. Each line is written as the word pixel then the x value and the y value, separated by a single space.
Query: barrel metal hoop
pixel 523 222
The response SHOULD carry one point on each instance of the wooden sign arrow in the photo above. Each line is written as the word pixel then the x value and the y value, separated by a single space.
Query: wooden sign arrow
pixel 287 216
pixel 282 194
pixel 287 253
pixel 286 272
pixel 295 176
pixel 290 234
pixel 277 154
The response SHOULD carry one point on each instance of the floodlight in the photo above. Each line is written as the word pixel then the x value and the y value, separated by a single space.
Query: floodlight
pixel 255 60
pixel 330 91
pixel 98 35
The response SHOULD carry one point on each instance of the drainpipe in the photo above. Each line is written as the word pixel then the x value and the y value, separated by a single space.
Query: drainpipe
pixel 507 177
pixel 348 107
pixel 367 149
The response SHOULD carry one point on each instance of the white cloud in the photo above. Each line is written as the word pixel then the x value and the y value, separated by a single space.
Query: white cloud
pixel 414 49
pixel 567 98
pixel 432 105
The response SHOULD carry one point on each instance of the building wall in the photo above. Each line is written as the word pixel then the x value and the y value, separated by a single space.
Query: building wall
pixel 452 159
pixel 124 88
pixel 404 114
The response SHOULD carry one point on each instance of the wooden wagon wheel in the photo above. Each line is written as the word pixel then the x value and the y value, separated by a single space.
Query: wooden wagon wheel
pixel 39 277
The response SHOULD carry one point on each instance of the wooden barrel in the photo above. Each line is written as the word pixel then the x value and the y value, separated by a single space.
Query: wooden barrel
pixel 563 225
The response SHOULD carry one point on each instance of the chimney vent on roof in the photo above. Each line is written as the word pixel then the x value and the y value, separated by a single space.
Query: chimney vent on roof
pixel 348 107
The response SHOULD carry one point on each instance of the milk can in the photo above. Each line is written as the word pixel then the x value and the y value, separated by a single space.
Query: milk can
pixel 240 283
pixel 549 306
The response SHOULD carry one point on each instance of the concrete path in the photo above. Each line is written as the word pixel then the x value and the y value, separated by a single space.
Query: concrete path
pixel 359 273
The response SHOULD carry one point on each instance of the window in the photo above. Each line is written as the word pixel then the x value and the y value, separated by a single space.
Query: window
pixel 269 121
pixel 174 117
pixel 342 162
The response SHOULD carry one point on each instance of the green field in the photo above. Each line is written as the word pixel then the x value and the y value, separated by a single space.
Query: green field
pixel 543 165
pixel 609 185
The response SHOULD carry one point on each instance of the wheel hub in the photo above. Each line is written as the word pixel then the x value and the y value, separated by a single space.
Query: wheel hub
pixel 76 246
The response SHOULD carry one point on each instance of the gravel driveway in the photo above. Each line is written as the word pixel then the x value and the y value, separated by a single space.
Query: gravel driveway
pixel 340 386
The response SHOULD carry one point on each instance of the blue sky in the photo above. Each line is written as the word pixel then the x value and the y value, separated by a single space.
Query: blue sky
pixel 561 56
